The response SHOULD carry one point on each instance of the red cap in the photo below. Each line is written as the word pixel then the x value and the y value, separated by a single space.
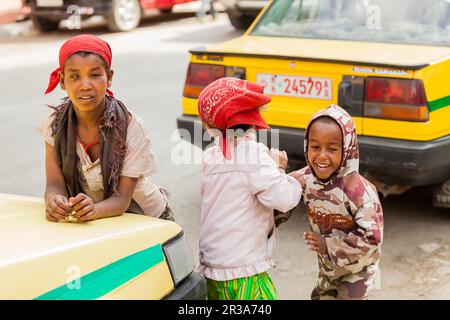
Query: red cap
pixel 227 102
pixel 83 42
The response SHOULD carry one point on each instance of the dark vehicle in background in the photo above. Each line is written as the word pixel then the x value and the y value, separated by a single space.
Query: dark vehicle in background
pixel 120 15
pixel 242 12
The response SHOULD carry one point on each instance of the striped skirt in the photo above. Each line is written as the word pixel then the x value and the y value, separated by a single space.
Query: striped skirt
pixel 257 287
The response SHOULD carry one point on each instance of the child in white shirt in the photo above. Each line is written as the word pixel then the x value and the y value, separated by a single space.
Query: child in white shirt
pixel 242 183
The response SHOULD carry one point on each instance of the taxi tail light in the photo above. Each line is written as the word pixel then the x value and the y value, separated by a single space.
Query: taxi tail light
pixel 200 75
pixel 399 99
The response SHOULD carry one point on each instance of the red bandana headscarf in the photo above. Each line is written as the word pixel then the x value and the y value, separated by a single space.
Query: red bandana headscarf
pixel 227 102
pixel 83 42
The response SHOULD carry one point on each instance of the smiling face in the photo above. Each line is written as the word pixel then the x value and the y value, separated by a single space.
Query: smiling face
pixel 325 147
pixel 86 79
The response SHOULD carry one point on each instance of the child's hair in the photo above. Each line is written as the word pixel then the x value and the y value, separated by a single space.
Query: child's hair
pixel 324 119
pixel 243 127
pixel 87 53
pixel 240 129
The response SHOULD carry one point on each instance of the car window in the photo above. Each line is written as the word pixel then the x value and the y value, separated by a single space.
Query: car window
pixel 401 21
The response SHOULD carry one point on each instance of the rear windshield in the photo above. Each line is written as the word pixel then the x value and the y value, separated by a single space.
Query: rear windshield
pixel 401 21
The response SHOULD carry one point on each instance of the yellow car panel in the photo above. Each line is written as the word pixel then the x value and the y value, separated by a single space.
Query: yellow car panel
pixel 397 55
pixel 138 288
pixel 250 52
pixel 108 258
pixel 393 79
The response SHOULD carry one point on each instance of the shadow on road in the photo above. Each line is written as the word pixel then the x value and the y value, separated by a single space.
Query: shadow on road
pixel 416 203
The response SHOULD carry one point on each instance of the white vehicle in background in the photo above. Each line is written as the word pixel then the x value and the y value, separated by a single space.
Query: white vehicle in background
pixel 13 10
pixel 242 12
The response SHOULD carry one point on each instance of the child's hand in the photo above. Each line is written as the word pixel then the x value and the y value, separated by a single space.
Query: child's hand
pixel 315 242
pixel 83 207
pixel 58 208
pixel 280 157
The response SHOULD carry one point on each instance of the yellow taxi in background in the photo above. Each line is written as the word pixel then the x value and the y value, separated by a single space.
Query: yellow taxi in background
pixel 387 63
pixel 127 257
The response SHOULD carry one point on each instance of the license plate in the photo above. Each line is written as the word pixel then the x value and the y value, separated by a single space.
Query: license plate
pixel 441 195
pixel 295 86
pixel 49 3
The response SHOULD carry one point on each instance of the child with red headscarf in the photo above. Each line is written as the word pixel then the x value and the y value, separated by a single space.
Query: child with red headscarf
pixel 242 183
pixel 98 153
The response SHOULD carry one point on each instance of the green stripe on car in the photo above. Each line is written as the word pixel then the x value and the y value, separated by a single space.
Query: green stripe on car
pixel 439 103
pixel 104 280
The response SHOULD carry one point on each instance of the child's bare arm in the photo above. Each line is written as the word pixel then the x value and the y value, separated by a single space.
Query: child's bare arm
pixel 86 210
pixel 56 203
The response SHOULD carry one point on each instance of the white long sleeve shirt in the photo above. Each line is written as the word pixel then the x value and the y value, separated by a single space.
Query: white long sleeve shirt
pixel 238 235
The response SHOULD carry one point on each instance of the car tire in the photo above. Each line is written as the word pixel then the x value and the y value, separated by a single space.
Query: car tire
pixel 166 10
pixel 44 25
pixel 125 15
pixel 240 21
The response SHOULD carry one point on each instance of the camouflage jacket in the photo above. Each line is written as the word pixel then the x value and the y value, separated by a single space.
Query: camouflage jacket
pixel 345 210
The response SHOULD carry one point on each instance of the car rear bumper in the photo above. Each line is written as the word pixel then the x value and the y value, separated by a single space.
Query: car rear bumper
pixel 248 6
pixel 254 5
pixel 83 8
pixel 192 288
pixel 392 161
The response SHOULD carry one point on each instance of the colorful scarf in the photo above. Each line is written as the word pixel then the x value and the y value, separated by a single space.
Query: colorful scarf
pixel 113 128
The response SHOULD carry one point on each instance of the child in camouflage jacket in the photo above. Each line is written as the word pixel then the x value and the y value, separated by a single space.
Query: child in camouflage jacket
pixel 344 211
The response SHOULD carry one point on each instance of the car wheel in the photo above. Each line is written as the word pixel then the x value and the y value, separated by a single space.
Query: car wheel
pixel 44 25
pixel 240 21
pixel 166 10
pixel 125 15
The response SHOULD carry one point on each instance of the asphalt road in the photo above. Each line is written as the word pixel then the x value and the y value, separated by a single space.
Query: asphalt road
pixel 150 65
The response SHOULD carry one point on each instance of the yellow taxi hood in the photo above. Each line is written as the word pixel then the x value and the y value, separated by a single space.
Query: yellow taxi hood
pixel 369 53
pixel 26 234
pixel 111 258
